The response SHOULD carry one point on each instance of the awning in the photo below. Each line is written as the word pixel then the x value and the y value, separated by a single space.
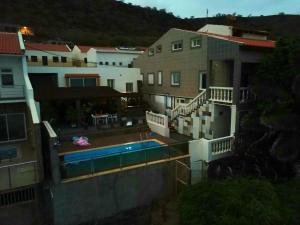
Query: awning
pixel 74 93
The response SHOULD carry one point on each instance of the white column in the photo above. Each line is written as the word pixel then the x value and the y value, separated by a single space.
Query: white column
pixel 233 120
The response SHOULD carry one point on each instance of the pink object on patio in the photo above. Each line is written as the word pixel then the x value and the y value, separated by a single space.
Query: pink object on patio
pixel 81 142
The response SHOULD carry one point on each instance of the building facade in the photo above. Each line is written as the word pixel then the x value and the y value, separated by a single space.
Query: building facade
pixel 21 165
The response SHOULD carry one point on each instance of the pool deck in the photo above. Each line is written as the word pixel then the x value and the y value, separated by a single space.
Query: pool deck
pixel 98 141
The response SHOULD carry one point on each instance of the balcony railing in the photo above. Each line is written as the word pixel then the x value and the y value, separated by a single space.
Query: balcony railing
pixel 244 94
pixel 18 175
pixel 158 123
pixel 218 148
pixel 221 94
pixel 15 91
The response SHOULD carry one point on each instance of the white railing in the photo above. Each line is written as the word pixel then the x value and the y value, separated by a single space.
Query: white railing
pixel 186 109
pixel 15 91
pixel 244 94
pixel 18 175
pixel 221 94
pixel 210 150
pixel 158 123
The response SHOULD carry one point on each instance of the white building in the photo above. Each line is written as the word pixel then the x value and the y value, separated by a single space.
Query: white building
pixel 20 150
pixel 85 66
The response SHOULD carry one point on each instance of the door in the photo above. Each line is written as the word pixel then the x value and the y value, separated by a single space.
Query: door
pixel 45 60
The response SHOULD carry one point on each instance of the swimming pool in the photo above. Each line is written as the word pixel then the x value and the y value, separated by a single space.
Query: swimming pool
pixel 101 159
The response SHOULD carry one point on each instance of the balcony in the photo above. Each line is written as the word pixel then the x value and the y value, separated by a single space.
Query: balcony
pixel 12 92
pixel 225 94
pixel 210 150
pixel 18 175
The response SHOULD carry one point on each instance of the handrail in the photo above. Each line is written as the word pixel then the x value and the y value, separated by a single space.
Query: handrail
pixel 186 109
pixel 221 94
pixel 18 164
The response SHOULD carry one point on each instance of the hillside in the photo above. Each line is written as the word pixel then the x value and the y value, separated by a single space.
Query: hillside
pixel 110 22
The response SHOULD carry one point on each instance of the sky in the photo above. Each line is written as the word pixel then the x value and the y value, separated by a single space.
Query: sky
pixel 197 8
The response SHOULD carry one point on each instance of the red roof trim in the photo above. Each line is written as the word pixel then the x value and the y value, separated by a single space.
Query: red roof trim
pixel 245 41
pixel 9 44
pixel 46 47
pixel 69 75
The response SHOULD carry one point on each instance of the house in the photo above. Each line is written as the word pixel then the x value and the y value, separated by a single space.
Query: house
pixel 114 65
pixel 21 165
pixel 200 80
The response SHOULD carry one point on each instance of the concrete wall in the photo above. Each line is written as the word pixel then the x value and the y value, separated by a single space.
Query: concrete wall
pixel 222 121
pixel 14 63
pixel 104 196
pixel 50 55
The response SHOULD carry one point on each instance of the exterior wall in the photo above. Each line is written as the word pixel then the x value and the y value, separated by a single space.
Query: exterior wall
pixel 221 73
pixel 100 197
pixel 121 56
pixel 121 75
pixel 254 36
pixel 14 63
pixel 188 61
pixel 50 55
pixel 217 29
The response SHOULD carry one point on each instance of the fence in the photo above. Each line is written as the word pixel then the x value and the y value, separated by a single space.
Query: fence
pixel 122 160
pixel 18 175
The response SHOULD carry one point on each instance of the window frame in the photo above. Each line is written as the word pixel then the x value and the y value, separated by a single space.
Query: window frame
pixel 131 83
pixel 11 73
pixel 174 43
pixel 63 59
pixel 83 81
pixel 195 39
pixel 172 83
pixel 33 58
pixel 158 49
pixel 7 127
pixel 113 83
pixel 151 51
pixel 148 75
pixel 56 59
pixel 160 78
pixel 200 80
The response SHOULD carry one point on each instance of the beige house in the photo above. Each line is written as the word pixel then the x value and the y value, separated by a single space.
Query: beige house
pixel 199 79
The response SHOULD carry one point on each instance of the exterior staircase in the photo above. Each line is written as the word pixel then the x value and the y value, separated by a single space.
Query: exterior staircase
pixel 188 109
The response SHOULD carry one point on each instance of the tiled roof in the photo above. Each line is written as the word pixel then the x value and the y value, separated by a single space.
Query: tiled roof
pixel 46 47
pixel 9 44
pixel 243 41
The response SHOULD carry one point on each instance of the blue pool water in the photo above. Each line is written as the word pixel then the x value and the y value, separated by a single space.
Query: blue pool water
pixel 110 151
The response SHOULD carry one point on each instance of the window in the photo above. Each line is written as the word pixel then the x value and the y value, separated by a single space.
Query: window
pixel 196 42
pixel 27 58
pixel 55 59
pixel 202 81
pixel 158 49
pixel 159 77
pixel 120 64
pixel 7 77
pixel 45 60
pixel 34 58
pixel 177 46
pixel 83 82
pixel 63 59
pixel 150 78
pixel 12 127
pixel 151 52
pixel 111 83
pixel 100 63
pixel 175 78
pixel 106 63
pixel 129 87
pixel 169 102
pixel 114 63
pixel 85 60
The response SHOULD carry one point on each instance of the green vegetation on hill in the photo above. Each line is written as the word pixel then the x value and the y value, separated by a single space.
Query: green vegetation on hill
pixel 110 22
pixel 240 201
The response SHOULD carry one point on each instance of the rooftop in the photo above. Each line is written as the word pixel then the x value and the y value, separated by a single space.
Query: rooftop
pixel 47 47
pixel 9 43
pixel 85 49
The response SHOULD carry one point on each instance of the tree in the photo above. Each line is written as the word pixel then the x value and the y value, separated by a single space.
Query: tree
pixel 271 129
pixel 239 201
